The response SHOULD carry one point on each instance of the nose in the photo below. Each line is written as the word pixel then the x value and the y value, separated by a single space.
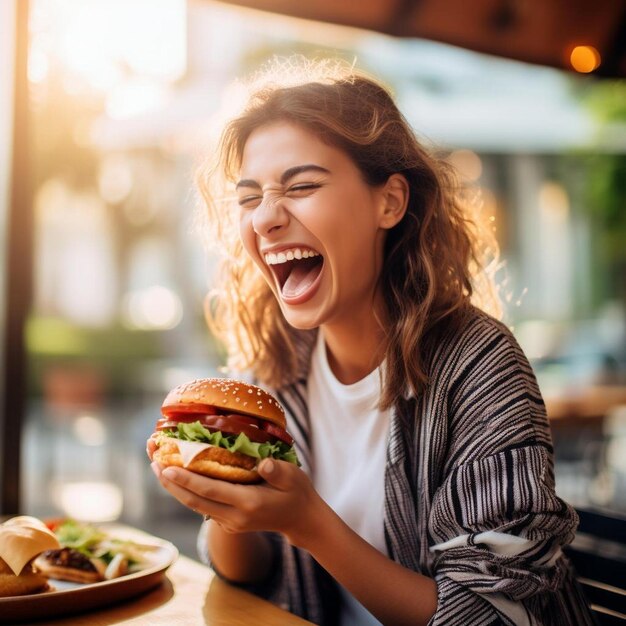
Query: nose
pixel 270 216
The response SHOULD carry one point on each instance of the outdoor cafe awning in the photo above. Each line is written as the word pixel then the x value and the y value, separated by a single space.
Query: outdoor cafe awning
pixel 544 32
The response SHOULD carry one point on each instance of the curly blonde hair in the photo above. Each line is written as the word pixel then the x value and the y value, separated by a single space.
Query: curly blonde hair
pixel 438 259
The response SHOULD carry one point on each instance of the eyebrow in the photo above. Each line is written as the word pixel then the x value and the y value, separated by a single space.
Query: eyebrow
pixel 286 175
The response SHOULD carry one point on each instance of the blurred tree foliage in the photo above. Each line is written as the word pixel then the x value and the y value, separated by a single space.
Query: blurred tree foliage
pixel 604 191
pixel 607 175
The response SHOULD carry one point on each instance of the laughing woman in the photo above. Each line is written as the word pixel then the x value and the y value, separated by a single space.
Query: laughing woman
pixel 353 290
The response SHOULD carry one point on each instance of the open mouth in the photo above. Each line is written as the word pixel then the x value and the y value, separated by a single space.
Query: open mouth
pixel 295 270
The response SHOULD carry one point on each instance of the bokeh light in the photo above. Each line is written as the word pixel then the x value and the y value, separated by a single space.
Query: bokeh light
pixel 90 430
pixel 467 163
pixel 93 501
pixel 152 308
pixel 585 59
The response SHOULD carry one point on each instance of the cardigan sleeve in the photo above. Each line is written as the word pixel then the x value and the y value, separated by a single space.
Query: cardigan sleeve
pixel 496 526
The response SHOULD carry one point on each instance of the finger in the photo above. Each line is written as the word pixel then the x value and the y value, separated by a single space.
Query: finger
pixel 156 468
pixel 150 447
pixel 205 487
pixel 279 474
pixel 196 503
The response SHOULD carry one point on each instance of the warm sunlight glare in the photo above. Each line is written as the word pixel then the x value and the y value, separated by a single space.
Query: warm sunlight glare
pixel 467 163
pixel 127 50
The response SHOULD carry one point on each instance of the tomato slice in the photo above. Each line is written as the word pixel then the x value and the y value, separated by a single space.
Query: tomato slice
pixel 232 424
pixel 54 523
pixel 278 432
pixel 170 423
pixel 235 424
pixel 245 419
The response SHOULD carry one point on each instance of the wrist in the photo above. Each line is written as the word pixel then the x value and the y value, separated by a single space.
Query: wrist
pixel 314 524
pixel 240 557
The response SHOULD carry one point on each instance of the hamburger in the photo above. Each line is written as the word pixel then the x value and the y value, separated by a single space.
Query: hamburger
pixel 223 429
pixel 68 564
pixel 21 540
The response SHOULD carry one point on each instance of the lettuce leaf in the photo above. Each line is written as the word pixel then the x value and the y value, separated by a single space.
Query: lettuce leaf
pixel 195 431
pixel 81 537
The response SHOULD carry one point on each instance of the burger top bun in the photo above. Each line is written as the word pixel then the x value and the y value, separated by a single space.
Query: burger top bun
pixel 23 538
pixel 226 395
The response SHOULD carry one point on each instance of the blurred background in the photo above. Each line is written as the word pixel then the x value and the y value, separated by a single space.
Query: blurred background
pixel 105 270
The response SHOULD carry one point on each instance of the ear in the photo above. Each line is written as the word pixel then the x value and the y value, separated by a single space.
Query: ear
pixel 395 197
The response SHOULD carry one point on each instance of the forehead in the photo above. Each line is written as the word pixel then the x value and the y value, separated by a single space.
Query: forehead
pixel 273 148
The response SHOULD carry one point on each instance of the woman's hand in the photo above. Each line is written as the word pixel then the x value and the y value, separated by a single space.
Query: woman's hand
pixel 285 502
pixel 150 447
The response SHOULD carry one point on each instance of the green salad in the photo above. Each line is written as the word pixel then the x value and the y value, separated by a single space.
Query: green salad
pixel 97 544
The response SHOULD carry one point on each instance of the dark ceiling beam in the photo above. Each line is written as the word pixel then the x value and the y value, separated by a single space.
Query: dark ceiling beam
pixel 532 32
pixel 402 18
pixel 614 54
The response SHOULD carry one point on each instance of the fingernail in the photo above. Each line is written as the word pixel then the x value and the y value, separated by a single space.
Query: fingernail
pixel 268 467
pixel 155 468
pixel 169 473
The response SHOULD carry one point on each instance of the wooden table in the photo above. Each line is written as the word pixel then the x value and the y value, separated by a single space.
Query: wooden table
pixel 191 595
pixel 588 403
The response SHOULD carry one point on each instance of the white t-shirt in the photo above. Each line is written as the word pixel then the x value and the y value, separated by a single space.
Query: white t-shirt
pixel 349 445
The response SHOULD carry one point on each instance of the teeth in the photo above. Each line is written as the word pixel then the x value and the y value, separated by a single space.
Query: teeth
pixel 289 255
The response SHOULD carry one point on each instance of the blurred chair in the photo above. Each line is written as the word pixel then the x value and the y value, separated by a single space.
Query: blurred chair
pixel 599 557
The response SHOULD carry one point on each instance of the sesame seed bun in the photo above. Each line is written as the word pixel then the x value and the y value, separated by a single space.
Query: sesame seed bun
pixel 224 394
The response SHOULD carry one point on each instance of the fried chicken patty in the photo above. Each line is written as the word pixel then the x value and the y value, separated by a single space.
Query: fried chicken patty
pixel 217 462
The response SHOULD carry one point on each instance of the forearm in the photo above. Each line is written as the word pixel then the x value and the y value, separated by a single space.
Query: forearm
pixel 239 557
pixel 393 594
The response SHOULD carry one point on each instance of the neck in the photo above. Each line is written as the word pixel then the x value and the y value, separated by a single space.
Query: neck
pixel 354 349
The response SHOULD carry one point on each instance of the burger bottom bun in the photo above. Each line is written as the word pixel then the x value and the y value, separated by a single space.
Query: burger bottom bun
pixel 61 572
pixel 27 582
pixel 213 462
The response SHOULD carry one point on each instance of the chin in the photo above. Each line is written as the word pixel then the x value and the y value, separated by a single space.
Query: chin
pixel 303 325
pixel 302 319
pixel 299 321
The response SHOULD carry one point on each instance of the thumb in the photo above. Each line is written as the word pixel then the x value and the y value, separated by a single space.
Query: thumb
pixel 275 473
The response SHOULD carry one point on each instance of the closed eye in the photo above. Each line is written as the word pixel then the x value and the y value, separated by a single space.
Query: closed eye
pixel 302 187
pixel 247 200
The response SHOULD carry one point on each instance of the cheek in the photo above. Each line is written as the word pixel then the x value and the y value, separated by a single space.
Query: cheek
pixel 249 242
pixel 247 236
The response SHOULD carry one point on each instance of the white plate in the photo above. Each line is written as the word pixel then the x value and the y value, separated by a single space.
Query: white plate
pixel 67 597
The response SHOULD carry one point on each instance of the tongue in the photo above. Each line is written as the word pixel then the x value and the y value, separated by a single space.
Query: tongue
pixel 301 277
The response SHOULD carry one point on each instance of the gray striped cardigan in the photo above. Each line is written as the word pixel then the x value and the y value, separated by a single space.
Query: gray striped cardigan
pixel 469 492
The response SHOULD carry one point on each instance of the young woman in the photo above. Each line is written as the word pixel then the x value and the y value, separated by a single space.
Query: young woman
pixel 426 493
